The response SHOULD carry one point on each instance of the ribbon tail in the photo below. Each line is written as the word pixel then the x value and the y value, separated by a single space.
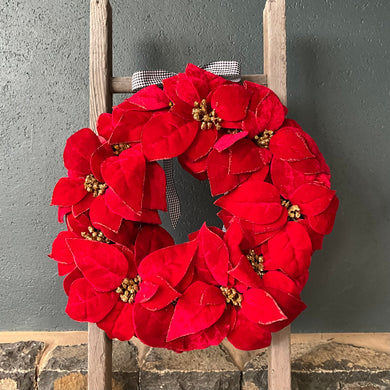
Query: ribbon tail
pixel 173 201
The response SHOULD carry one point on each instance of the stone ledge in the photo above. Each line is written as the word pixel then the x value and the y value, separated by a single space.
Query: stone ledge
pixel 323 362
pixel 18 364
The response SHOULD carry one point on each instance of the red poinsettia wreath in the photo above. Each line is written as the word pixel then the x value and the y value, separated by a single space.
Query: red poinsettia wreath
pixel 124 271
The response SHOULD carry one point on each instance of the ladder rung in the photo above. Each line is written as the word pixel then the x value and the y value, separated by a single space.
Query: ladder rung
pixel 123 84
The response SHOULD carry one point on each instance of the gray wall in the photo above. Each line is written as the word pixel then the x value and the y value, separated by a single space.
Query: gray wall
pixel 338 82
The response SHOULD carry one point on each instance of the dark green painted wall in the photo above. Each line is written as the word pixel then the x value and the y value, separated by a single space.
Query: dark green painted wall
pixel 338 83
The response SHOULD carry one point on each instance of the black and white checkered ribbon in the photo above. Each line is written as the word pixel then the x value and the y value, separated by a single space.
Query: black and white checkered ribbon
pixel 230 70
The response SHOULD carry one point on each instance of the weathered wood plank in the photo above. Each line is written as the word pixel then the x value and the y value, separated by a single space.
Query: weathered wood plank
pixel 100 100
pixel 100 59
pixel 279 361
pixel 99 359
pixel 123 84
pixel 274 35
pixel 275 67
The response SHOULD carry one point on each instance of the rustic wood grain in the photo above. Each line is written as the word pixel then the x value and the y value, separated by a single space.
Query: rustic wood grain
pixel 274 36
pixel 100 100
pixel 124 85
pixel 100 60
pixel 275 67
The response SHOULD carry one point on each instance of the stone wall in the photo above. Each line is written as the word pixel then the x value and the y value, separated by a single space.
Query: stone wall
pixel 58 361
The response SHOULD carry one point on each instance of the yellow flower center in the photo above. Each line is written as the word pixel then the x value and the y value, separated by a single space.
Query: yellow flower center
pixel 232 296
pixel 94 186
pixel 257 262
pixel 119 148
pixel 263 140
pixel 294 212
pixel 95 235
pixel 128 289
pixel 208 119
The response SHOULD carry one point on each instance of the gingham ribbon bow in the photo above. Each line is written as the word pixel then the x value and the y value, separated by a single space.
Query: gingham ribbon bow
pixel 230 70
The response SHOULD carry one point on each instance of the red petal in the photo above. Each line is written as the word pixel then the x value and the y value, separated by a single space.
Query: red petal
pixel 78 151
pixel 196 169
pixel 83 205
pixel 162 297
pixel 166 136
pixel 260 307
pixel 202 145
pixel 287 179
pixel 125 175
pixel 255 201
pixel 87 304
pixel 248 336
pixel 198 308
pixel 128 125
pixel 233 238
pixel 208 337
pixel 151 98
pixel 245 157
pixel 155 188
pixel 103 265
pixel 64 269
pixel 290 250
pixel 249 125
pixel 230 102
pixel 215 254
pixel 151 327
pixel 69 279
pixel 220 179
pixel 68 192
pixel 118 207
pixel 118 323
pixel 169 263
pixel 60 251
pixel 102 216
pixel 98 156
pixel 245 273
pixel 186 91
pixel 104 125
pixel 289 145
pixel 149 239
pixel 126 234
pixel 227 140
pixel 291 305
pixel 312 198
pixel 323 223
pixel 280 281
pixel 62 213
pixel 270 113
pixel 203 80
pixel 258 93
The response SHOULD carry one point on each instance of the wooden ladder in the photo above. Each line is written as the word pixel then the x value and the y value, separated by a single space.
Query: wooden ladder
pixel 102 86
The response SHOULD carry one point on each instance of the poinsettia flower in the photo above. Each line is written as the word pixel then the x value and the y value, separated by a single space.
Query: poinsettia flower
pixel 90 228
pixel 263 213
pixel 165 274
pixel 125 123
pixel 216 291
pixel 136 187
pixel 191 125
pixel 84 188
pixel 229 168
pixel 106 292
pixel 296 160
